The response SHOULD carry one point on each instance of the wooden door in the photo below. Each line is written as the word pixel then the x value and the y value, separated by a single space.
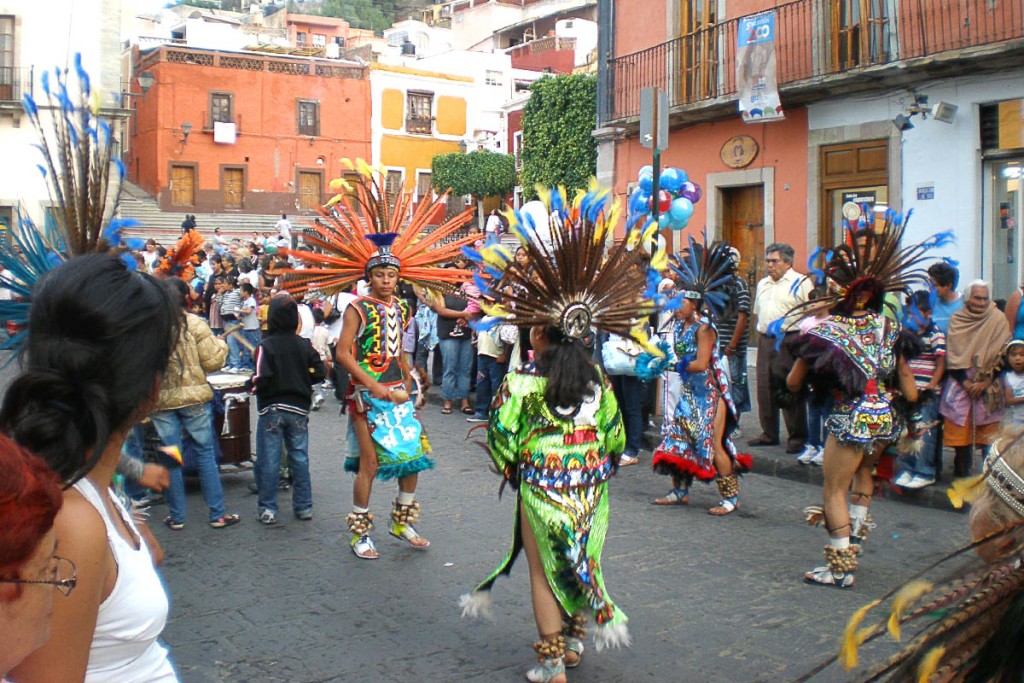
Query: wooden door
pixel 743 228
pixel 183 185
pixel 309 191
pixel 233 183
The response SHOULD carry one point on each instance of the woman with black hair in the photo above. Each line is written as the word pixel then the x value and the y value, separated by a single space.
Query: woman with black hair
pixel 555 430
pixel 98 344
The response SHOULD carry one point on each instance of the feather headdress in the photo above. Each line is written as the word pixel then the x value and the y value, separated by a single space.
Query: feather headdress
pixel 360 229
pixel 573 281
pixel 704 273
pixel 83 179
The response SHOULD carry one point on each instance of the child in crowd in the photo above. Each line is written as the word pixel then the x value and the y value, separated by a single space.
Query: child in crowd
pixel 818 407
pixel 247 315
pixel 214 318
pixel 492 347
pixel 287 367
pixel 1013 386
pixel 917 470
pixel 321 344
pixel 230 302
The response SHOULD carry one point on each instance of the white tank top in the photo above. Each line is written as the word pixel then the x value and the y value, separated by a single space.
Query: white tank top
pixel 125 648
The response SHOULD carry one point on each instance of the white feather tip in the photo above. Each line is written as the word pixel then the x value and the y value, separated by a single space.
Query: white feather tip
pixel 476 605
pixel 612 635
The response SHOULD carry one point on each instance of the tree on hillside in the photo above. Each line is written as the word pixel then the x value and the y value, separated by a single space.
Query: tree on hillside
pixel 481 174
pixel 372 14
pixel 558 121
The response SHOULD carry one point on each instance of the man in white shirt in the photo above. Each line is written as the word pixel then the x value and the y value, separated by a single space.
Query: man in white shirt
pixel 284 231
pixel 777 293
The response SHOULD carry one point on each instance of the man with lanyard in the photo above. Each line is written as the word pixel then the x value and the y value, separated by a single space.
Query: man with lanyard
pixel 777 293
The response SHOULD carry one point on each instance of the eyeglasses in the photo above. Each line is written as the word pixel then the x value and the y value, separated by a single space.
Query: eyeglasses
pixel 63 571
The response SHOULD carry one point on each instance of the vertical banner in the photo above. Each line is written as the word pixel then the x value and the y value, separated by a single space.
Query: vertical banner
pixel 756 81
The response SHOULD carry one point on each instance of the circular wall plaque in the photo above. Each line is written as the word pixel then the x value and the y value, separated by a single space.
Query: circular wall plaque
pixel 739 151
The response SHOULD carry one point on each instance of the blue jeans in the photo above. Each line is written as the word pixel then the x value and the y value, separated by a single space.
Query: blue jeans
pixel 238 355
pixel 457 358
pixel 489 374
pixel 928 461
pixel 630 394
pixel 738 386
pixel 816 414
pixel 272 429
pixel 196 421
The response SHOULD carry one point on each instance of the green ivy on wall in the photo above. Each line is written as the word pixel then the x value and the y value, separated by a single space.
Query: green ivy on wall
pixel 558 121
pixel 480 173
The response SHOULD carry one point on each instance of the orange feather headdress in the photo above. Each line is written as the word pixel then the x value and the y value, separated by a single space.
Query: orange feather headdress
pixel 360 229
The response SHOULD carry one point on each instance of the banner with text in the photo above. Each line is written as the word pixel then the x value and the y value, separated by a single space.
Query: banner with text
pixel 756 81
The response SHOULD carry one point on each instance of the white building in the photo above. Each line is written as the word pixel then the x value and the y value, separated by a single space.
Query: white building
pixel 40 36
pixel 962 175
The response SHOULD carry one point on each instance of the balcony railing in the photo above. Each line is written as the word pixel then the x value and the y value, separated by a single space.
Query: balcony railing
pixel 545 44
pixel 15 82
pixel 809 43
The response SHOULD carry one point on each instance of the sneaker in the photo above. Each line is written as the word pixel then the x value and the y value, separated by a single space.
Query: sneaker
pixel 283 484
pixel 304 515
pixel 819 458
pixel 267 517
pixel 918 482
pixel 318 401
pixel 477 417
pixel 173 525
pixel 807 455
pixel 627 460
pixel 902 480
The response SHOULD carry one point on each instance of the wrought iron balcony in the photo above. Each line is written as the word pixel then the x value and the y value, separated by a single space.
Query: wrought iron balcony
pixel 15 82
pixel 815 44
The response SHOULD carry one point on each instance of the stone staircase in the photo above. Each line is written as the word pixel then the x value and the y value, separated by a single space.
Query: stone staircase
pixel 165 227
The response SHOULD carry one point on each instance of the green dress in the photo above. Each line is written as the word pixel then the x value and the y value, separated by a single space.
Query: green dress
pixel 562 461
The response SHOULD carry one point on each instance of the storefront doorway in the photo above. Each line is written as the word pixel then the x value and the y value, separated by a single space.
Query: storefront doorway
pixel 1004 206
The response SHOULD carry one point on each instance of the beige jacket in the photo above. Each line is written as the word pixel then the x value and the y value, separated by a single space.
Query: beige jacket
pixel 197 353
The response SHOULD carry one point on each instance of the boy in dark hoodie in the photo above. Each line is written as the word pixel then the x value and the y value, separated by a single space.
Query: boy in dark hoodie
pixel 287 367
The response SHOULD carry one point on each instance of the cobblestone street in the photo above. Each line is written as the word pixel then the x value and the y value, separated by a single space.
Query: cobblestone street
pixel 709 599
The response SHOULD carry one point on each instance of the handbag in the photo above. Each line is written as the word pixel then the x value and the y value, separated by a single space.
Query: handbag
pixel 619 356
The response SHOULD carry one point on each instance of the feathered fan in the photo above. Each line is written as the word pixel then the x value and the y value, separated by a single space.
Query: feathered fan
pixel 569 283
pixel 83 179
pixel 360 210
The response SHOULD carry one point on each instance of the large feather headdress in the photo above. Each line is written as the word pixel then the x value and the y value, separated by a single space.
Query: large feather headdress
pixel 704 272
pixel 83 178
pixel 869 264
pixel 573 281
pixel 361 229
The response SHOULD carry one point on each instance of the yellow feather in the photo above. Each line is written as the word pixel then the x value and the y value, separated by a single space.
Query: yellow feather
pixel 852 638
pixel 94 103
pixel 561 192
pixel 660 260
pixel 347 163
pixel 496 310
pixel 906 597
pixel 966 490
pixel 593 185
pixel 334 200
pixel 577 200
pixel 543 194
pixel 929 664
pixel 364 168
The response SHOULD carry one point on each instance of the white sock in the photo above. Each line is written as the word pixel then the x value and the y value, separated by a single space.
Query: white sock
pixel 858 512
pixel 405 498
pixel 359 511
pixel 840 543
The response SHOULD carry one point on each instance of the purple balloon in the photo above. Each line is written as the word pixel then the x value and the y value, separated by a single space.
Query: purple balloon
pixel 691 191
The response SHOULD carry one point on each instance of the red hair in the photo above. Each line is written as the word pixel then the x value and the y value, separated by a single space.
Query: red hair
pixel 30 497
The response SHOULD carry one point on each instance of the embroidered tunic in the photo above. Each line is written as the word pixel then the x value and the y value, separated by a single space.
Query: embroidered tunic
pixel 562 461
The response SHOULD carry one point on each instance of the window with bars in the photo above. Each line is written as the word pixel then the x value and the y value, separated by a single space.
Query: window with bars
pixel 221 108
pixel 699 49
pixel 419 105
pixel 860 33
pixel 308 117
pixel 393 184
pixel 424 191
pixel 492 78
pixel 319 39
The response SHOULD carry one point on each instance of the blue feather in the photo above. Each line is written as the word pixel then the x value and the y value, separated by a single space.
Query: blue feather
pixel 135 243
pixel 129 261
pixel 45 80
pixel 495 273
pixel 121 170
pixel 485 323
pixel 29 105
pixel 42 169
pixel 83 77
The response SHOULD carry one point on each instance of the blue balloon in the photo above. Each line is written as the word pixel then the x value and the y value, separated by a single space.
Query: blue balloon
pixel 647 183
pixel 681 210
pixel 683 177
pixel 638 201
pixel 646 170
pixel 672 179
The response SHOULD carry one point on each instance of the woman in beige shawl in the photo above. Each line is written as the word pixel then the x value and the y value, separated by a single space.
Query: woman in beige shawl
pixel 972 400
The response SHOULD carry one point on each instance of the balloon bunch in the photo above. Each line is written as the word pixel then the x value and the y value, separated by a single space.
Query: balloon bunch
pixel 676 196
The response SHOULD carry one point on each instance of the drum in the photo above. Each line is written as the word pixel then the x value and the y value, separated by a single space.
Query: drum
pixel 231 417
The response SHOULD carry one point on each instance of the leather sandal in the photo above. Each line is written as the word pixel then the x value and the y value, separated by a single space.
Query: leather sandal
pixel 364 548
pixel 724 507
pixel 573 652
pixel 673 497
pixel 547 671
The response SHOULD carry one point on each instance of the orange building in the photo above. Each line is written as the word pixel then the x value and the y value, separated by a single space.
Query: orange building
pixel 244 131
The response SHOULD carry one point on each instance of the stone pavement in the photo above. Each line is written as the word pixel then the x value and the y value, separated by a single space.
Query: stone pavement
pixel 709 599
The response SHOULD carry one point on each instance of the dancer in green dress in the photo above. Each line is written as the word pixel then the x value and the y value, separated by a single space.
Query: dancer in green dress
pixel 555 430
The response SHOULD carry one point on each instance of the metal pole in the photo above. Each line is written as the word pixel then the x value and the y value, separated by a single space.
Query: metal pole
pixel 656 163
